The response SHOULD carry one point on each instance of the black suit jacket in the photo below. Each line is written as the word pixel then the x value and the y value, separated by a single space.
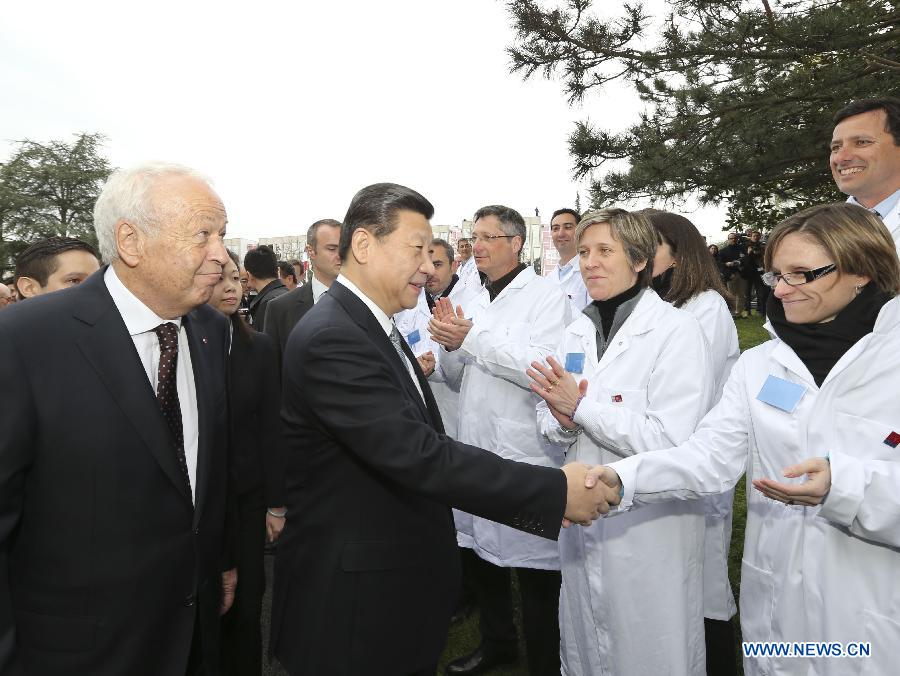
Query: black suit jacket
pixel 104 561
pixel 260 302
pixel 257 442
pixel 284 312
pixel 367 571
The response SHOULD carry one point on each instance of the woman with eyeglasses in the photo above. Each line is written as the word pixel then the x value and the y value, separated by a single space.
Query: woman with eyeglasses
pixel 632 374
pixel 685 275
pixel 813 417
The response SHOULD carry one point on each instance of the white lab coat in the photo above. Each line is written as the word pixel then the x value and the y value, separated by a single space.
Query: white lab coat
pixel 632 587
pixel 572 284
pixel 468 274
pixel 824 573
pixel 712 312
pixel 524 323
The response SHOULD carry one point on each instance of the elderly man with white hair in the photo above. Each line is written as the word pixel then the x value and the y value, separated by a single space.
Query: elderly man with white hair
pixel 112 446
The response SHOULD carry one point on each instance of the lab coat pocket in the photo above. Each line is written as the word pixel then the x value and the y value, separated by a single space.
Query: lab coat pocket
pixel 518 441
pixel 865 438
pixel 757 600
pixel 883 633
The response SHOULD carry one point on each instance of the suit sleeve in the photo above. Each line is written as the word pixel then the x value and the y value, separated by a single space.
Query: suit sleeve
pixel 355 395
pixel 273 330
pixel 271 441
pixel 17 429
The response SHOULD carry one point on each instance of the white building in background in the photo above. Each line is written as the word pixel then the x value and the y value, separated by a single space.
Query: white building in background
pixel 239 245
pixel 286 248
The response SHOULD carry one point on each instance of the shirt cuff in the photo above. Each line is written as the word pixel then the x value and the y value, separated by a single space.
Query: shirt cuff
pixel 627 471
pixel 848 487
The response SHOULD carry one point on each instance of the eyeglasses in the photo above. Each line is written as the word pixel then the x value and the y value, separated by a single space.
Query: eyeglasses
pixel 487 239
pixel 798 278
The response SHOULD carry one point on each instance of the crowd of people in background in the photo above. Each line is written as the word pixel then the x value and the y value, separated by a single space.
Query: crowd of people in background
pixel 430 376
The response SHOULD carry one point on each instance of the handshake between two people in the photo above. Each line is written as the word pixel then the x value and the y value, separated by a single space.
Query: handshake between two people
pixel 591 492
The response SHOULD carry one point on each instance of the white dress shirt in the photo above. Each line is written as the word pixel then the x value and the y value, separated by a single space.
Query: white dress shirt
pixel 386 323
pixel 318 289
pixel 141 323
pixel 569 278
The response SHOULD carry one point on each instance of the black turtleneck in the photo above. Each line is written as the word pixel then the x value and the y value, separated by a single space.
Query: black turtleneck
pixel 820 346
pixel 494 288
pixel 609 306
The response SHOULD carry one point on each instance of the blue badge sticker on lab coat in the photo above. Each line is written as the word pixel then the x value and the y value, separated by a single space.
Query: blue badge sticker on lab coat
pixel 575 362
pixel 781 393
pixel 413 338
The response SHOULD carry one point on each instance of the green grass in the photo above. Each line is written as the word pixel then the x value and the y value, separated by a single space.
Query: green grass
pixel 464 637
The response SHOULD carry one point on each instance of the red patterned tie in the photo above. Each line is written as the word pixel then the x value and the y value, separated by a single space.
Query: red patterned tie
pixel 167 390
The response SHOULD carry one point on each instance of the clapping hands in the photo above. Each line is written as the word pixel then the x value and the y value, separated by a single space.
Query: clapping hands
pixel 448 327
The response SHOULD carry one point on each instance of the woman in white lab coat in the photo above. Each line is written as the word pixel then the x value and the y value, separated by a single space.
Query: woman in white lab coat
pixel 637 377
pixel 685 275
pixel 817 405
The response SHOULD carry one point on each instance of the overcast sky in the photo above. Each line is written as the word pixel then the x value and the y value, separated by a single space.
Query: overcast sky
pixel 291 108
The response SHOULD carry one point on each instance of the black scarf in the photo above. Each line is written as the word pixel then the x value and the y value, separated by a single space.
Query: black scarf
pixel 662 284
pixel 821 345
pixel 494 288
pixel 609 306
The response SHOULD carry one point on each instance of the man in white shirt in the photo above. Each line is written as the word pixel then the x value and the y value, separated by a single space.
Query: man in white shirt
pixel 568 271
pixel 865 157
pixel 113 449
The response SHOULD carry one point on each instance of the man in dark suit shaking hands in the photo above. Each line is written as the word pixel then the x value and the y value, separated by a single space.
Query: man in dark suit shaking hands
pixel 113 446
pixel 367 573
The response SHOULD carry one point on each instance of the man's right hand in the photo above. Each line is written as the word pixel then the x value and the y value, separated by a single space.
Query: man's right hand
pixel 587 496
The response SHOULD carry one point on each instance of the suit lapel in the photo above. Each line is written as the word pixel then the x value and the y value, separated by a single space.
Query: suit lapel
pixel 366 320
pixel 431 405
pixel 304 303
pixel 201 363
pixel 110 351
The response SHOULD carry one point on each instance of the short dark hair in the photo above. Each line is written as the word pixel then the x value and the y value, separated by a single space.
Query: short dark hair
pixel 890 106
pixel 375 208
pixel 261 262
pixel 511 221
pixel 287 270
pixel 38 261
pixel 312 235
pixel 566 210
pixel 437 241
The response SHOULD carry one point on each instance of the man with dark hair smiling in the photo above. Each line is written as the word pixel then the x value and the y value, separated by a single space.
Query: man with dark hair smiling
pixel 568 271
pixel 52 264
pixel 367 572
pixel 865 157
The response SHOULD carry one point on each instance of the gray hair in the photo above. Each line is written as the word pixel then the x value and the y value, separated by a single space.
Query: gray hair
pixel 633 229
pixel 511 221
pixel 127 197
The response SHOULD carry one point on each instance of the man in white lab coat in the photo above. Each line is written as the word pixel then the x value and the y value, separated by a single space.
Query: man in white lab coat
pixel 865 157
pixel 517 318
pixel 568 271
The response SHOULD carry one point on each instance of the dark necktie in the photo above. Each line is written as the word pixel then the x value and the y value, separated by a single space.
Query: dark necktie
pixel 167 390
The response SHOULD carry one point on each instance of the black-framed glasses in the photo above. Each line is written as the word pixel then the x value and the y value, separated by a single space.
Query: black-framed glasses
pixel 489 238
pixel 798 278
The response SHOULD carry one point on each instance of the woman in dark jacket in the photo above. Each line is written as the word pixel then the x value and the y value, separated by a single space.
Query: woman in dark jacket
pixel 257 472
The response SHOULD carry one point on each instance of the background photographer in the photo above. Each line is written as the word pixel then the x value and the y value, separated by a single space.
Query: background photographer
pixel 752 270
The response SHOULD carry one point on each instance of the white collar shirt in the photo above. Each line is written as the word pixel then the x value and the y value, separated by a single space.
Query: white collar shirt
pixel 318 288
pixel 141 322
pixel 386 323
